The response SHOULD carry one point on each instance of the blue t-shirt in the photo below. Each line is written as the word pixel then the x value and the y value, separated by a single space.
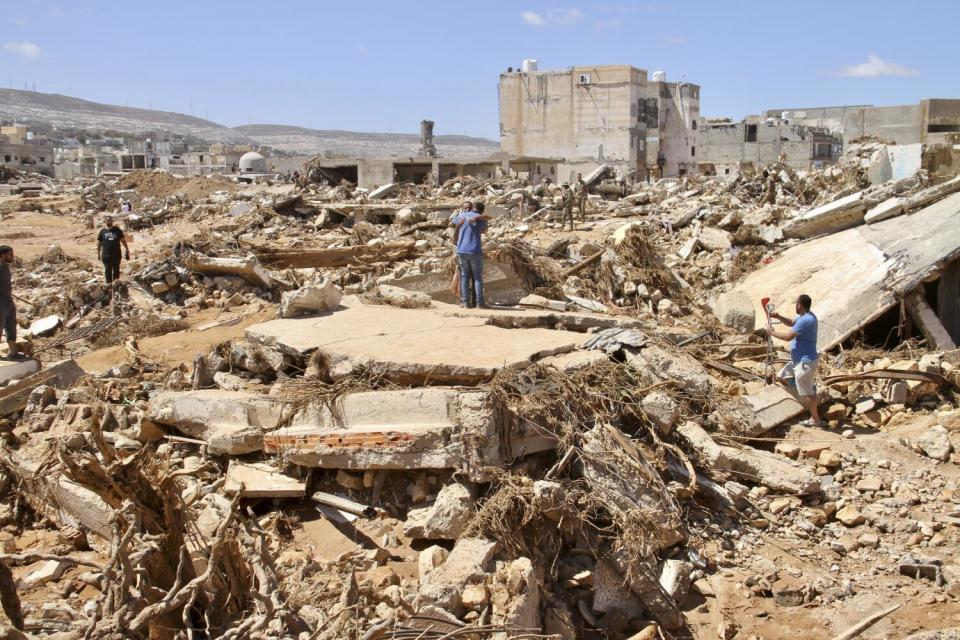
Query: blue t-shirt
pixel 468 239
pixel 803 348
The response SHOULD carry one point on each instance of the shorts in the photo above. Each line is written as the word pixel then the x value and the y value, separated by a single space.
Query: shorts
pixel 804 375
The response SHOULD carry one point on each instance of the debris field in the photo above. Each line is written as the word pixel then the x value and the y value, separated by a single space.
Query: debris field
pixel 281 424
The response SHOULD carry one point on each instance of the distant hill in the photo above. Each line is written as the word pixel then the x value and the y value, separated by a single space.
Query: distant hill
pixel 356 143
pixel 63 111
pixel 31 107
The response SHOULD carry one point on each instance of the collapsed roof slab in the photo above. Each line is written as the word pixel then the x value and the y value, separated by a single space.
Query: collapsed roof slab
pixel 413 346
pixel 855 275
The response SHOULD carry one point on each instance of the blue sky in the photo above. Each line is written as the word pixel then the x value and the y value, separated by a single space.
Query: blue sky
pixel 384 66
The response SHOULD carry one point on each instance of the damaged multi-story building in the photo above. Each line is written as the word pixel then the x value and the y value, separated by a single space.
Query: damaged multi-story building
pixel 586 116
pixel 21 149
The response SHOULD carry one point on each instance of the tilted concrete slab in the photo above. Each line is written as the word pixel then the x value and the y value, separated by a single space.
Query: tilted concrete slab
pixel 773 405
pixel 842 213
pixel 855 275
pixel 260 480
pixel 413 346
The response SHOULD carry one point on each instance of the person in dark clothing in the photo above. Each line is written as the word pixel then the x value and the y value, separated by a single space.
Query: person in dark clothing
pixel 8 310
pixel 108 249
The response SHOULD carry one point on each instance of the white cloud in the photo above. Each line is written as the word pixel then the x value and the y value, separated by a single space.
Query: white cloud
pixel 28 50
pixel 553 17
pixel 607 23
pixel 533 19
pixel 675 40
pixel 20 22
pixel 875 66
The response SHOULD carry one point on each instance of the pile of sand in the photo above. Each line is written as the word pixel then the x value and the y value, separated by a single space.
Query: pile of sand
pixel 160 184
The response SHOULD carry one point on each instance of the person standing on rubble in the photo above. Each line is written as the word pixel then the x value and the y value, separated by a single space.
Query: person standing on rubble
pixel 567 203
pixel 8 310
pixel 470 226
pixel 108 249
pixel 803 355
pixel 580 193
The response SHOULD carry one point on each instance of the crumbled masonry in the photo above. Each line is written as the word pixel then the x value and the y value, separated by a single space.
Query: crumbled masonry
pixel 280 423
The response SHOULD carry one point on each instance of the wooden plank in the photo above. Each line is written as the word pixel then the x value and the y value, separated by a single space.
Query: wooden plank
pixel 338 257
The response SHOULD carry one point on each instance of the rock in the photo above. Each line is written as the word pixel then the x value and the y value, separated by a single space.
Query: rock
pixel 549 498
pixel 49 571
pixel 935 443
pixel 735 310
pixel 311 299
pixel 864 405
pixel 897 393
pixel 404 297
pixel 45 326
pixel 445 519
pixel 829 459
pixel 475 597
pixel 521 607
pixel 836 411
pixel 869 483
pixel 782 505
pixel 714 239
pixel 788 449
pixel 661 410
pixel 850 517
pixel 675 579
pixel 534 300
pixel 469 562
pixel 159 287
pixel 789 592
pixel 349 480
pixel 429 559
pixel 869 540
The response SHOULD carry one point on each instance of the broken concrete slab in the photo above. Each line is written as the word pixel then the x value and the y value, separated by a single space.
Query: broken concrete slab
pixel 78 505
pixel 59 375
pixel 755 465
pixel 502 285
pixel 17 369
pixel 412 345
pixel 248 268
pixel 656 364
pixel 261 480
pixel 310 299
pixel 45 326
pixel 929 324
pixel 840 214
pixel 714 239
pixel 383 191
pixel 773 405
pixel 889 208
pixel 231 422
pixel 861 272
pixel 426 428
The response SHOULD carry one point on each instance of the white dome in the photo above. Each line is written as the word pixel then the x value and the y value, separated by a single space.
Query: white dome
pixel 253 162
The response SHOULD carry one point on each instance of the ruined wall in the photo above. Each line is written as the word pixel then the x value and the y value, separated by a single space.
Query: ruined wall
pixel 899 124
pixel 679 110
pixel 30 156
pixel 725 146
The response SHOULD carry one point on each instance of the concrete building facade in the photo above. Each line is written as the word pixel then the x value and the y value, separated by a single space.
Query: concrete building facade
pixel 589 115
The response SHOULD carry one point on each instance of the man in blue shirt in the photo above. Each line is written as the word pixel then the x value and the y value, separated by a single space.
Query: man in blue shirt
pixel 470 226
pixel 803 355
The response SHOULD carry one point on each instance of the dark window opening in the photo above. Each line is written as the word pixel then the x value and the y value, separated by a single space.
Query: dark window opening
pixel 6 158
pixel 750 133
pixel 943 128
pixel 693 151
pixel 693 125
pixel 726 171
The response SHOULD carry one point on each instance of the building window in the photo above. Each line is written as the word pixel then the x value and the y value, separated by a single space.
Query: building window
pixel 943 128
pixel 693 151
pixel 726 171
pixel 583 78
pixel 693 125
pixel 42 159
pixel 750 133
pixel 553 170
pixel 6 158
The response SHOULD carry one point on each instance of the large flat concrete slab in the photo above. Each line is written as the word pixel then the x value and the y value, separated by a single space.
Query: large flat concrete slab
pixel 855 275
pixel 15 370
pixel 414 345
pixel 773 405
pixel 425 428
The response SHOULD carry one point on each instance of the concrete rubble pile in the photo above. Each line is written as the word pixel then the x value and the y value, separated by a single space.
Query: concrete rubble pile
pixel 282 425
